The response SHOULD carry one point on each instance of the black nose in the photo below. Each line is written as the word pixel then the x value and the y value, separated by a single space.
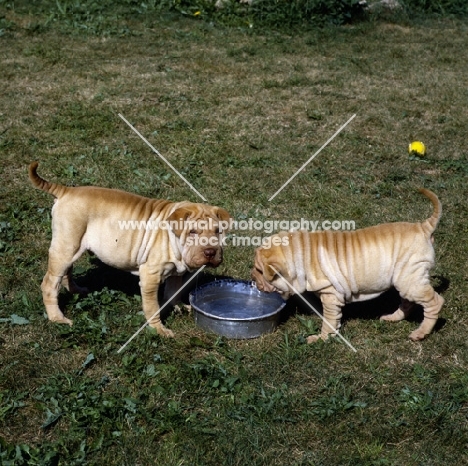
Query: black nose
pixel 209 253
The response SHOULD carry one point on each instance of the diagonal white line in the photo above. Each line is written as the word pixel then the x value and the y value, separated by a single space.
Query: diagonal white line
pixel 311 158
pixel 163 158
pixel 160 309
pixel 336 332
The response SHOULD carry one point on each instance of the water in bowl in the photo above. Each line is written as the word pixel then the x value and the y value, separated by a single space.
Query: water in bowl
pixel 229 304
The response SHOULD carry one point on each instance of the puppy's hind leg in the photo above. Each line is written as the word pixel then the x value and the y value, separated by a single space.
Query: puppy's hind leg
pixel 432 302
pixel 422 293
pixel 401 313
pixel 50 289
pixel 71 286
pixel 58 271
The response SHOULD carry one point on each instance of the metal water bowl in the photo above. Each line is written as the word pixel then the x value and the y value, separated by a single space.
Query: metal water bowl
pixel 235 309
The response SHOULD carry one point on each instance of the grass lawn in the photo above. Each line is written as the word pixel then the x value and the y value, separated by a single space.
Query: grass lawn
pixel 237 111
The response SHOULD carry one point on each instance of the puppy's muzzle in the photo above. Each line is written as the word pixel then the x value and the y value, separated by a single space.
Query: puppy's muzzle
pixel 213 256
pixel 261 283
pixel 210 253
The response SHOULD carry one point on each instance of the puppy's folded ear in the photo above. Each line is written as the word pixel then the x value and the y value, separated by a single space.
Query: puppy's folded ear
pixel 223 214
pixel 270 265
pixel 225 219
pixel 178 219
pixel 272 270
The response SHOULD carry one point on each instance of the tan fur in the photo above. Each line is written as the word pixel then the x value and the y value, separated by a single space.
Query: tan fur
pixel 87 218
pixel 349 266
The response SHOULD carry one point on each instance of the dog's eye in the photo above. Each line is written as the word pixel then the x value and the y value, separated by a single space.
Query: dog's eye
pixel 193 232
pixel 259 271
pixel 217 231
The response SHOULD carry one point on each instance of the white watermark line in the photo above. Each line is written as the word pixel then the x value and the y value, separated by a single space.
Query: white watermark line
pixel 161 156
pixel 311 158
pixel 335 331
pixel 160 309
pixel 265 226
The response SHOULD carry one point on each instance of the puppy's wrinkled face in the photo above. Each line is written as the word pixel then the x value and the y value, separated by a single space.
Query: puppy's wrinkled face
pixel 201 231
pixel 269 272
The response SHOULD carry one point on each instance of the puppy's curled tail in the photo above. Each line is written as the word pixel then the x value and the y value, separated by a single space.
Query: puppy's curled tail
pixel 57 190
pixel 431 223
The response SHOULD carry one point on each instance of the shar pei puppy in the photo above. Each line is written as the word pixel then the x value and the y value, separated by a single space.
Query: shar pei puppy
pixel 152 238
pixel 350 266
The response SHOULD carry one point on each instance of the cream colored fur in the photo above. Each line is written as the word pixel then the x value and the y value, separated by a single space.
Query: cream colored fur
pixel 87 218
pixel 349 266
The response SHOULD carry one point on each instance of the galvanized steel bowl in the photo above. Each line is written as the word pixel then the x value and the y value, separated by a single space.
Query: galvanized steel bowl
pixel 235 309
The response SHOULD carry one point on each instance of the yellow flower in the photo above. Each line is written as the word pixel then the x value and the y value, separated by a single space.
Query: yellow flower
pixel 197 13
pixel 418 148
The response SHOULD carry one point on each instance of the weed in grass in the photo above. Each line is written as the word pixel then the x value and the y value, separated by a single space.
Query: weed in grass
pixel 9 405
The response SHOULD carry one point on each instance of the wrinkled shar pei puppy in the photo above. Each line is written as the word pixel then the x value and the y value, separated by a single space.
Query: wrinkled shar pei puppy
pixel 152 238
pixel 348 266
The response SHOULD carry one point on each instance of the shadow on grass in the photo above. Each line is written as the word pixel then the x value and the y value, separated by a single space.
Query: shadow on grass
pixel 387 303
pixel 101 276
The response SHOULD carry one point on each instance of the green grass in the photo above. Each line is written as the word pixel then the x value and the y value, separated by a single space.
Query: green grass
pixel 237 111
